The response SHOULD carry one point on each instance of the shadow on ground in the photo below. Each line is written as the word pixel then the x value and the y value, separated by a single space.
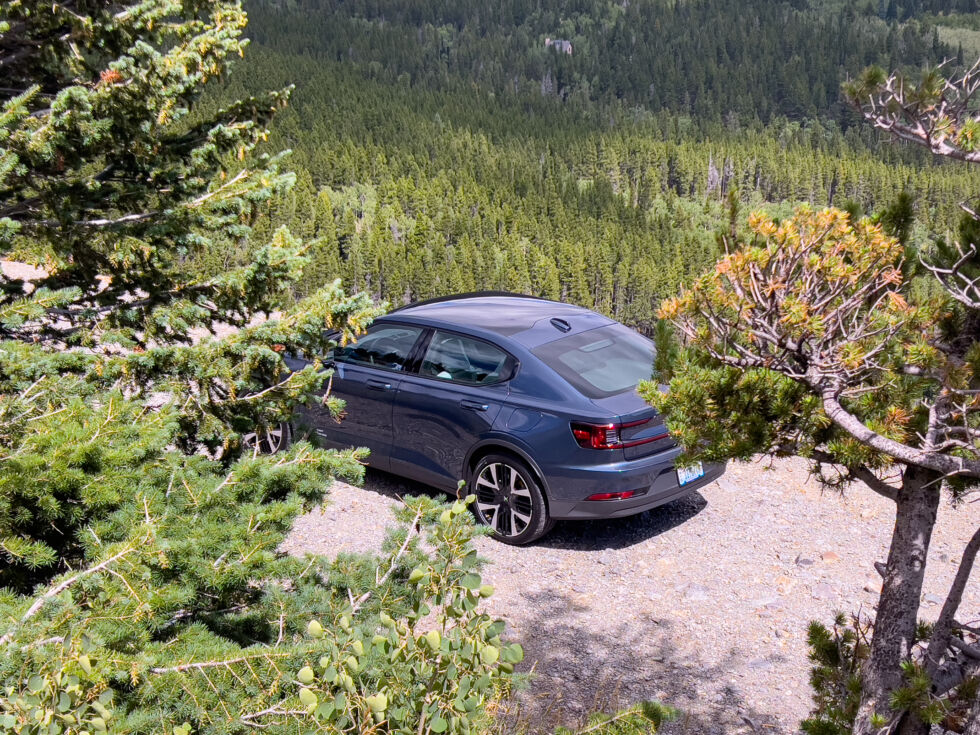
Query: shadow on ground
pixel 580 669
pixel 393 486
pixel 615 533
pixel 633 655
pixel 620 533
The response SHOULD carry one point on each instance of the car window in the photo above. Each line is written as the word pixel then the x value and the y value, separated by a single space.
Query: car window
pixel 384 346
pixel 601 362
pixel 464 360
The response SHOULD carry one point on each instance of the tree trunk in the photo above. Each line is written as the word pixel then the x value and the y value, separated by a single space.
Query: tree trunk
pixel 973 720
pixel 894 630
pixel 943 628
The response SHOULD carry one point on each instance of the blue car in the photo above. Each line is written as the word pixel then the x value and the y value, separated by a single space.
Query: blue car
pixel 532 402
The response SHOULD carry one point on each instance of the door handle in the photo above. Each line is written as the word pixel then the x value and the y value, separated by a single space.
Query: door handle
pixel 474 405
pixel 374 384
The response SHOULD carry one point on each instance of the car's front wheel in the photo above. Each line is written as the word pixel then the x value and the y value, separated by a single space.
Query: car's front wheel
pixel 509 500
pixel 271 440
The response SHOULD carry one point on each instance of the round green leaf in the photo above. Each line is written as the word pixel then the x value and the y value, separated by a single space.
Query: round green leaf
pixel 307 697
pixel 433 639
pixel 489 655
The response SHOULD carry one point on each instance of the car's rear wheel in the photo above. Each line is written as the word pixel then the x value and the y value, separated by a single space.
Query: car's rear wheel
pixel 272 440
pixel 509 500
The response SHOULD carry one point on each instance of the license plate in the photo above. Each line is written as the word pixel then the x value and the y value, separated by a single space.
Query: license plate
pixel 690 474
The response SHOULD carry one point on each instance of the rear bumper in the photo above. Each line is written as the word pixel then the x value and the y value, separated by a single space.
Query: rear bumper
pixel 654 481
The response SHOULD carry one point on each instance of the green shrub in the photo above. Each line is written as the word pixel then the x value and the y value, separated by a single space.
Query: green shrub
pixel 640 719
pixel 167 627
pixel 838 653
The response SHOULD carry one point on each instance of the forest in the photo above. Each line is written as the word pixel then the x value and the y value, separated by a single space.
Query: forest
pixel 441 148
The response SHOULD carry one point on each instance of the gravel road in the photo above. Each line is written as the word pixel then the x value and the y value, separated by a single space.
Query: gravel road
pixel 702 603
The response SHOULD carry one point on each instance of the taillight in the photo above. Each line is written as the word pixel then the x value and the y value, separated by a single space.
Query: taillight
pixel 608 436
pixel 596 436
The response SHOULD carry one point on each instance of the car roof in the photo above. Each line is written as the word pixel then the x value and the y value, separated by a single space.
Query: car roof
pixel 527 319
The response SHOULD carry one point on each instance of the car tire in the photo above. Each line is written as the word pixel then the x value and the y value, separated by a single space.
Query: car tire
pixel 509 500
pixel 278 439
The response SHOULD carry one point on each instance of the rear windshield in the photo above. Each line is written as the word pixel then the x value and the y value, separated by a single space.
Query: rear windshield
pixel 601 362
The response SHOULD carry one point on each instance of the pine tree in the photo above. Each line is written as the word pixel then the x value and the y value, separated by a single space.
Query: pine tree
pixel 807 339
pixel 142 587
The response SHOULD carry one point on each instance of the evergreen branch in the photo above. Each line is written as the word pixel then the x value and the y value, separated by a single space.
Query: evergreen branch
pixel 260 394
pixel 967 649
pixel 44 642
pixel 202 665
pixel 631 712
pixel 861 473
pixel 61 587
pixel 957 283
pixel 276 710
pixel 126 219
pixel 204 198
pixel 413 531
pixel 946 465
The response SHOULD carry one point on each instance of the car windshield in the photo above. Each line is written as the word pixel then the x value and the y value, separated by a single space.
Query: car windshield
pixel 601 362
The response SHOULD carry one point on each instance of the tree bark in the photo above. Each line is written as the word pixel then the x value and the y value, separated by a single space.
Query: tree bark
pixel 943 629
pixel 917 503
pixel 973 719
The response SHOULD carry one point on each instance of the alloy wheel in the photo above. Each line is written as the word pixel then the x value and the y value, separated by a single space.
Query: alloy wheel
pixel 504 499
pixel 266 442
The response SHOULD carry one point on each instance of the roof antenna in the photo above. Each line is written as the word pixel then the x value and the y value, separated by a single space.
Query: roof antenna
pixel 561 325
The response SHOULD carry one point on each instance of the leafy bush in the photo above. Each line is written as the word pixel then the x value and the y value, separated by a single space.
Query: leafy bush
pixel 167 625
pixel 436 668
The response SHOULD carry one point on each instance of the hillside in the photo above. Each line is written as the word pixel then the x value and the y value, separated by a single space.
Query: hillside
pixel 761 59
pixel 439 148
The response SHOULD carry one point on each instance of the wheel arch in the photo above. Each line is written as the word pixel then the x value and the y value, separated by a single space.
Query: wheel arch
pixel 499 446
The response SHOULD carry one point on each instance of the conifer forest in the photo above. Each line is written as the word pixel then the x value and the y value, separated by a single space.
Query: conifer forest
pixel 443 147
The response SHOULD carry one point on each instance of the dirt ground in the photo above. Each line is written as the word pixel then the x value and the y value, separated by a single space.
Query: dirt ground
pixel 702 604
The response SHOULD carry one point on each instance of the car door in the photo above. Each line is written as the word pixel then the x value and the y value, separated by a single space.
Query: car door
pixel 444 407
pixel 367 374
